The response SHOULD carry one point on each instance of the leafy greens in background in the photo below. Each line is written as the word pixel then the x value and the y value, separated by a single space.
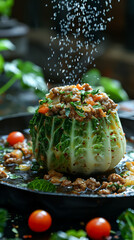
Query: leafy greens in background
pixel 3 219
pixel 69 235
pixel 112 87
pixel 126 224
pixel 5 7
pixel 29 74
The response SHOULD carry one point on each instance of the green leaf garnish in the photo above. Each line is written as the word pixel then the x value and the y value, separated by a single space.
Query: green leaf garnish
pixel 98 105
pixel 46 100
pixel 79 111
pixel 126 224
pixel 41 185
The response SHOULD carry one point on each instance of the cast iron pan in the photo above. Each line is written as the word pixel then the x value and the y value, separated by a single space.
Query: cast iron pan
pixel 61 205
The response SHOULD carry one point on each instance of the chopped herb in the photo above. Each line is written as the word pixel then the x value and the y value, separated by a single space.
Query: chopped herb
pixel 115 185
pixel 75 104
pixel 62 92
pixel 78 111
pixel 85 93
pixel 71 93
pixel 41 185
pixel 67 112
pixel 97 106
pixel 93 92
pixel 50 106
pixel 109 111
pixel 46 100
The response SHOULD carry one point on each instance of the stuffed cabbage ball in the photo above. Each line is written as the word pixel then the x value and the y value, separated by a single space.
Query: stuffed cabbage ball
pixel 77 130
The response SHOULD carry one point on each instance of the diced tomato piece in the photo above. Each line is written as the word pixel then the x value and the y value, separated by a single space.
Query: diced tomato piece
pixel 79 86
pixel 43 109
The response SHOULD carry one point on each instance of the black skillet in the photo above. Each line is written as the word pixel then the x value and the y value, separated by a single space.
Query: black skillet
pixel 61 205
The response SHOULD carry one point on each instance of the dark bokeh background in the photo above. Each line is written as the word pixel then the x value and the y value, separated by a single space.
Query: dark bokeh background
pixel 117 60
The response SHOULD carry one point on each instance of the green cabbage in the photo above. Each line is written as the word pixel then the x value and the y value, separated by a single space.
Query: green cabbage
pixel 70 146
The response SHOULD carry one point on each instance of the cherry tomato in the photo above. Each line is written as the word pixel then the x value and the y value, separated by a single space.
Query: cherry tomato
pixel 98 228
pixel 15 137
pixel 39 221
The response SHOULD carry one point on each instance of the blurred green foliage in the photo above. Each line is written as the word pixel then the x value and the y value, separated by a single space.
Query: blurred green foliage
pixel 30 75
pixel 6 7
pixel 112 87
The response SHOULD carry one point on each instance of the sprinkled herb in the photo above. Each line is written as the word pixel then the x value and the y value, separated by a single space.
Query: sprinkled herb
pixel 97 106
pixel 85 93
pixel 46 100
pixel 109 111
pixel 78 111
pixel 93 92
pixel 115 185
pixel 71 93
pixel 62 92
pixel 50 106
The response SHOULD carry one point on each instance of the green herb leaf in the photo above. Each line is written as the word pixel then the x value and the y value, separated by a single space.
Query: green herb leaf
pixel 3 219
pixel 46 100
pixel 79 111
pixel 118 186
pixel 93 92
pixel 126 224
pixel 62 92
pixel 98 105
pixel 41 185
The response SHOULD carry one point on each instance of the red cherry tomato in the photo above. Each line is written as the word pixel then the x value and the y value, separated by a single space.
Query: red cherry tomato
pixel 39 221
pixel 15 137
pixel 98 228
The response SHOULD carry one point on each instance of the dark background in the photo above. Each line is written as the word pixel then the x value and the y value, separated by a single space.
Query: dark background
pixel 117 59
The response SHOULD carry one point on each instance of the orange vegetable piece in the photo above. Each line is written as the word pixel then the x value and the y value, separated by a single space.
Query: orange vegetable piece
pixel 79 86
pixel 43 109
